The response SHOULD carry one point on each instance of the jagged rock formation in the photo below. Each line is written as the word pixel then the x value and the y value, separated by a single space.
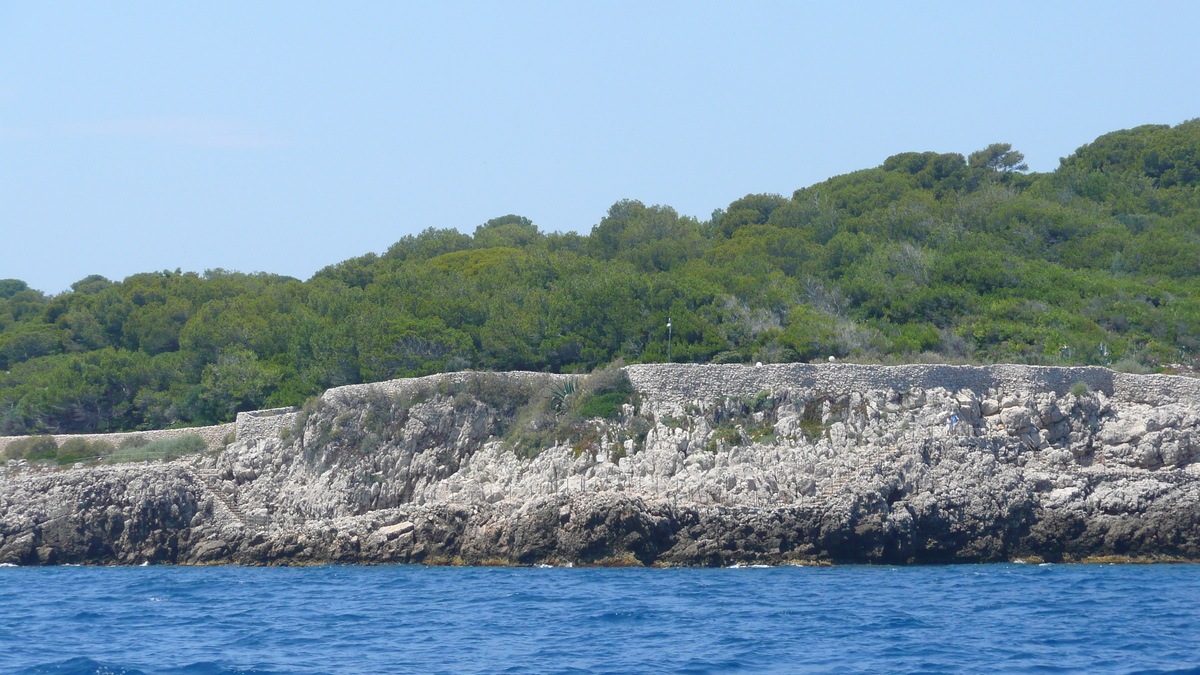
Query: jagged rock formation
pixel 702 465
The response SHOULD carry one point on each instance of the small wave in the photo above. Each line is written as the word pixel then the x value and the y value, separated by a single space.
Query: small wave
pixel 203 668
pixel 79 666
pixel 620 617
pixel 85 666
pixel 210 668
pixel 476 621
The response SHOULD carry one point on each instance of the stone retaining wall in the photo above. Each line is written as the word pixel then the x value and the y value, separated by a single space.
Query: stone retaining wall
pixel 394 387
pixel 265 423
pixel 687 382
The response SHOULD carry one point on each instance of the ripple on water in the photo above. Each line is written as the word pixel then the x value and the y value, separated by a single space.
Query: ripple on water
pixel 218 621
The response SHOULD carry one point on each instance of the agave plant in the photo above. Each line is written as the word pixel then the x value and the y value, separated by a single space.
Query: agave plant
pixel 559 393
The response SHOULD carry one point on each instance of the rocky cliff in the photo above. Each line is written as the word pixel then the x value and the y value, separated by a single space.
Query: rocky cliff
pixel 658 464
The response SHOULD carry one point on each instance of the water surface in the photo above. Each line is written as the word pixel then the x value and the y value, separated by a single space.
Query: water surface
pixel 411 619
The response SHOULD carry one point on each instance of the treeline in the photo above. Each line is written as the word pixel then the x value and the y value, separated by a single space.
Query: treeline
pixel 927 256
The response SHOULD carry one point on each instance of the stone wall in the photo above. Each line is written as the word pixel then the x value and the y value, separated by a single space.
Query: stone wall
pixel 686 382
pixel 395 387
pixel 265 423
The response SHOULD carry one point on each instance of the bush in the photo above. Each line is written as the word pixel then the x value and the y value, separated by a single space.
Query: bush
pixel 602 393
pixel 42 448
pixel 32 448
pixel 560 413
pixel 134 442
pixel 607 406
pixel 1133 366
pixel 165 449
pixel 503 394
pixel 72 450
pixel 78 449
pixel 1080 389
pixel 727 434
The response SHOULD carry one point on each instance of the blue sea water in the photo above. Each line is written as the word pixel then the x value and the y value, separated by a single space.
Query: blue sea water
pixel 412 619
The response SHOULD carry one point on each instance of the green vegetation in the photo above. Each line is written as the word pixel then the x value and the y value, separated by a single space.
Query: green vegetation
pixel 926 257
pixel 811 424
pixel 607 405
pixel 79 450
pixel 573 418
pixel 34 448
pixel 528 413
pixel 738 421
pixel 166 449
pixel 134 449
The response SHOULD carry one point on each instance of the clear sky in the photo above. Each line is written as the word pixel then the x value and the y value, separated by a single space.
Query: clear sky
pixel 287 136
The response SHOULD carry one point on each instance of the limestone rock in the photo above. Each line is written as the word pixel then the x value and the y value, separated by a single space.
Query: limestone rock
pixel 837 462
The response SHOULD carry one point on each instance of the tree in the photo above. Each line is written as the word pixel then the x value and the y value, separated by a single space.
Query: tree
pixel 973 257
pixel 93 283
pixel 998 157
pixel 511 230
pixel 10 287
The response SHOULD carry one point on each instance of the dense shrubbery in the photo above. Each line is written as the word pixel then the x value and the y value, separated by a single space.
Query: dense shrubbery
pixel 134 449
pixel 34 448
pixel 929 256
pixel 79 450
pixel 47 449
pixel 568 413
pixel 166 449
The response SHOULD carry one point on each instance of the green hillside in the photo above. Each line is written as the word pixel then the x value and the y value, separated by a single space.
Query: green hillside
pixel 927 256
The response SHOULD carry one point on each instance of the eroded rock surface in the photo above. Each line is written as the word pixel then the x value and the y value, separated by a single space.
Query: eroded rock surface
pixel 705 465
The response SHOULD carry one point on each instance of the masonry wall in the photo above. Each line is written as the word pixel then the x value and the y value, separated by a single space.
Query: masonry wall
pixel 265 423
pixel 688 382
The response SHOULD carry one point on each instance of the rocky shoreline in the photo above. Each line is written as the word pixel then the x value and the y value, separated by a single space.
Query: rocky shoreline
pixel 695 465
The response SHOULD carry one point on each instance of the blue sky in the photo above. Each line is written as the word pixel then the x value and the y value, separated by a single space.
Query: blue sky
pixel 283 137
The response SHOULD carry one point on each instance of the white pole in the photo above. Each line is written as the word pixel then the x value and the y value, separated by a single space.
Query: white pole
pixel 668 339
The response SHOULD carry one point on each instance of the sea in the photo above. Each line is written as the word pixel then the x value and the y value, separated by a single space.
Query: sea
pixel 1009 618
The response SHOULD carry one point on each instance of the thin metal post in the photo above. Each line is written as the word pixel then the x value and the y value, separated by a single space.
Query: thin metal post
pixel 668 339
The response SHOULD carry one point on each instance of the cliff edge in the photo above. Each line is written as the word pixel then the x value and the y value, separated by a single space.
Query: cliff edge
pixel 657 464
